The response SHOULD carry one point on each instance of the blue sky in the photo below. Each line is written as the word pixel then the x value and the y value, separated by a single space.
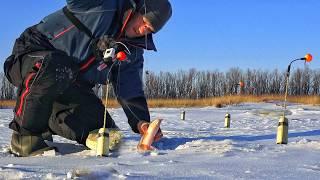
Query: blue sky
pixel 207 34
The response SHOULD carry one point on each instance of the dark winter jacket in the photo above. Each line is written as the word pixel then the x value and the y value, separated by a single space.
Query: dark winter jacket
pixel 101 17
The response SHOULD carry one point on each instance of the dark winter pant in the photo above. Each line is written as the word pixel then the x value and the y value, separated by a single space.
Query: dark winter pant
pixel 52 98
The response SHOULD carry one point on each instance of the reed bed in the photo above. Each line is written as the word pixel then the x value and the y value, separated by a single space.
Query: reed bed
pixel 213 101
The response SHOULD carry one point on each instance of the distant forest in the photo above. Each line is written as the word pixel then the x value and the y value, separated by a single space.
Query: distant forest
pixel 193 84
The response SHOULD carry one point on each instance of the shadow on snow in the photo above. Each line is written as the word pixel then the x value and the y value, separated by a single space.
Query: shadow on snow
pixel 173 143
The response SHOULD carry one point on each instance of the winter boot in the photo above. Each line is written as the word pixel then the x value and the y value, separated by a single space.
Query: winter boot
pixel 28 145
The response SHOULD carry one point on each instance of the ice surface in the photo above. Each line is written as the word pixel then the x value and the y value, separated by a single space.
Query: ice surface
pixel 197 148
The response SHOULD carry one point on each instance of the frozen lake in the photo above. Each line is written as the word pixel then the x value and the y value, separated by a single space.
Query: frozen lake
pixel 197 148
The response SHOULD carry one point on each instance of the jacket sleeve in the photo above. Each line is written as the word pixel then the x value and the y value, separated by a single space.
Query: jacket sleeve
pixel 136 109
pixel 83 5
pixel 128 87
pixel 128 77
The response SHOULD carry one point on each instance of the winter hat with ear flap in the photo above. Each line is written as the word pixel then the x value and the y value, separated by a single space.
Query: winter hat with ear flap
pixel 157 12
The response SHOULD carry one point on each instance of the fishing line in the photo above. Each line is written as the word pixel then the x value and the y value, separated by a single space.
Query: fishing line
pixel 119 69
pixel 118 85
pixel 108 81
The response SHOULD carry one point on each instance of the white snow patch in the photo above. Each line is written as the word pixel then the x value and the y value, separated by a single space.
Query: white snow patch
pixel 207 146
pixel 196 148
pixel 106 173
pixel 306 143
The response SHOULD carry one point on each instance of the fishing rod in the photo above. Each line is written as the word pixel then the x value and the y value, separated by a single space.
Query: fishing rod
pixel 110 55
pixel 282 130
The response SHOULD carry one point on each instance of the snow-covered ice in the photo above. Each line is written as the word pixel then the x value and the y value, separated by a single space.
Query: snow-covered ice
pixel 197 148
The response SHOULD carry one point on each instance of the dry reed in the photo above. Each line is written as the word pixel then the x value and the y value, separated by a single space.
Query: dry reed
pixel 213 101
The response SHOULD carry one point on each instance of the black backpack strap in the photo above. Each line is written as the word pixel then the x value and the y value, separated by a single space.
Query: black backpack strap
pixel 75 21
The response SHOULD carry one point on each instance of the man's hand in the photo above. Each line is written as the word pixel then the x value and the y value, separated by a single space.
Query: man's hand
pixel 100 45
pixel 105 43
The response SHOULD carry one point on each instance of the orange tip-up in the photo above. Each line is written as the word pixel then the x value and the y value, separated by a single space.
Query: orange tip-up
pixel 308 57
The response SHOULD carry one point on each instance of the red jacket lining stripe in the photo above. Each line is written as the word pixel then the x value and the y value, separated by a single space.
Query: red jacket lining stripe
pixel 25 93
pixel 125 23
pixel 61 33
pixel 86 65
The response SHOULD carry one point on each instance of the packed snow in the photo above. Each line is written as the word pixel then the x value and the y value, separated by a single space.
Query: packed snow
pixel 198 147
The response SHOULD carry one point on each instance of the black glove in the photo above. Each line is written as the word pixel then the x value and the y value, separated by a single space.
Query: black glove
pixel 107 43
pixel 99 46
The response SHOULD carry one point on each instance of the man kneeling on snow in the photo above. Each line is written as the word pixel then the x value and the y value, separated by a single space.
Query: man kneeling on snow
pixel 56 63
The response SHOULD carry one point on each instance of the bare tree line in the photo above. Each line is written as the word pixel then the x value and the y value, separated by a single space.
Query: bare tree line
pixel 202 84
pixel 195 84
pixel 8 91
